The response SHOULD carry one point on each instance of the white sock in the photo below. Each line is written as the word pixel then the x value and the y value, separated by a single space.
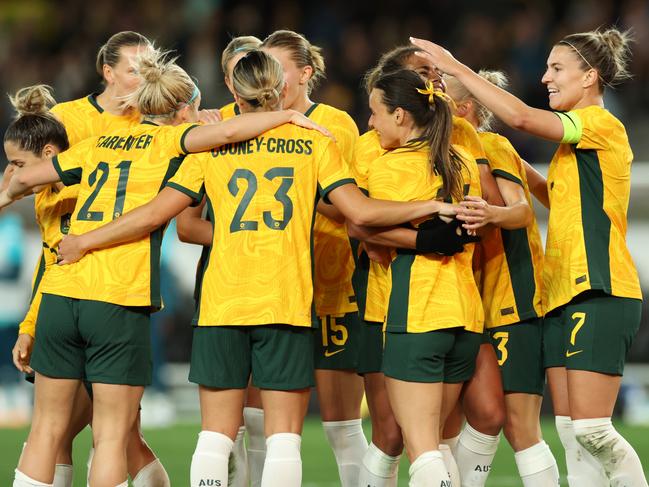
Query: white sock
pixel 254 420
pixel 91 455
pixel 22 480
pixel 123 484
pixel 474 453
pixel 283 465
pixel 210 460
pixel 611 450
pixel 349 445
pixel 428 470
pixel 239 461
pixel 451 442
pixel 583 469
pixel 451 464
pixel 63 475
pixel 537 466
pixel 378 469
pixel 152 475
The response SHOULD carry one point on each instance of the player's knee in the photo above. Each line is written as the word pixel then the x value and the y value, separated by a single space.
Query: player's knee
pixel 389 438
pixel 521 434
pixel 597 439
pixel 489 418
pixel 54 431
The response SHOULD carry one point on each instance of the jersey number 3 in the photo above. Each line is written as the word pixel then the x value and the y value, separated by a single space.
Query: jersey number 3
pixel 238 224
pixel 99 177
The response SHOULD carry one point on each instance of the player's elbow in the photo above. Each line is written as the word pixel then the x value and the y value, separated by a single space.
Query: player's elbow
pixel 354 231
pixel 183 229
pixel 228 134
pixel 522 118
pixel 528 216
pixel 361 219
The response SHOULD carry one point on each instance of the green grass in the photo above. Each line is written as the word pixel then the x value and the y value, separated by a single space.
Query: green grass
pixel 175 445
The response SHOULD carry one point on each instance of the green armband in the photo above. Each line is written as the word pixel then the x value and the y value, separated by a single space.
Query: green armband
pixel 572 127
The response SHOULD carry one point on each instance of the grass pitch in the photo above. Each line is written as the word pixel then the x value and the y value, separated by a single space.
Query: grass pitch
pixel 175 445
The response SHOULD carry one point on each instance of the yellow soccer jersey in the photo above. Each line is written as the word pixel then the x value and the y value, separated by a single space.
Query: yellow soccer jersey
pixel 261 197
pixel 367 150
pixel 589 182
pixel 229 110
pixel 117 172
pixel 334 263
pixel 428 291
pixel 512 271
pixel 369 291
pixel 84 118
pixel 465 135
pixel 53 213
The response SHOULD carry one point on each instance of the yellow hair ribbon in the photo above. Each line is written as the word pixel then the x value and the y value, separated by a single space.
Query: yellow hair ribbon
pixel 432 92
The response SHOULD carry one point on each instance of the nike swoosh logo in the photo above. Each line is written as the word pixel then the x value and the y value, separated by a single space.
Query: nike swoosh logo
pixel 570 354
pixel 329 354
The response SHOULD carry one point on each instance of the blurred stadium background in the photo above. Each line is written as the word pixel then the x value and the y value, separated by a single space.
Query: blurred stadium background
pixel 55 42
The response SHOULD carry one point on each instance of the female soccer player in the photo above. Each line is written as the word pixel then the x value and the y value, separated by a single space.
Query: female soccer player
pixel 263 314
pixel 511 276
pixel 33 136
pixel 382 458
pixel 193 228
pixel 589 279
pixel 422 346
pixel 340 389
pixel 83 118
pixel 94 319
pixel 93 115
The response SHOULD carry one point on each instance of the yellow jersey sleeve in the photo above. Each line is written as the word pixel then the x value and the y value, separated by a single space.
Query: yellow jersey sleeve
pixel 230 110
pixel 504 160
pixel 367 149
pixel 190 177
pixel 599 130
pixel 465 134
pixel 180 134
pixel 69 164
pixel 332 172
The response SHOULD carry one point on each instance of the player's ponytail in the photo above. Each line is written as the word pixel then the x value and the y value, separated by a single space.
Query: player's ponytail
pixel 258 78
pixel 34 126
pixel 430 111
pixel 303 53
pixel 608 52
pixel 165 86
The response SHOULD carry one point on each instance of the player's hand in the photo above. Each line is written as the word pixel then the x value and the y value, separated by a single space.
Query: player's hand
pixel 475 213
pixel 6 177
pixel 22 352
pixel 440 57
pixel 300 120
pixel 447 211
pixel 4 199
pixel 379 254
pixel 209 116
pixel 70 249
